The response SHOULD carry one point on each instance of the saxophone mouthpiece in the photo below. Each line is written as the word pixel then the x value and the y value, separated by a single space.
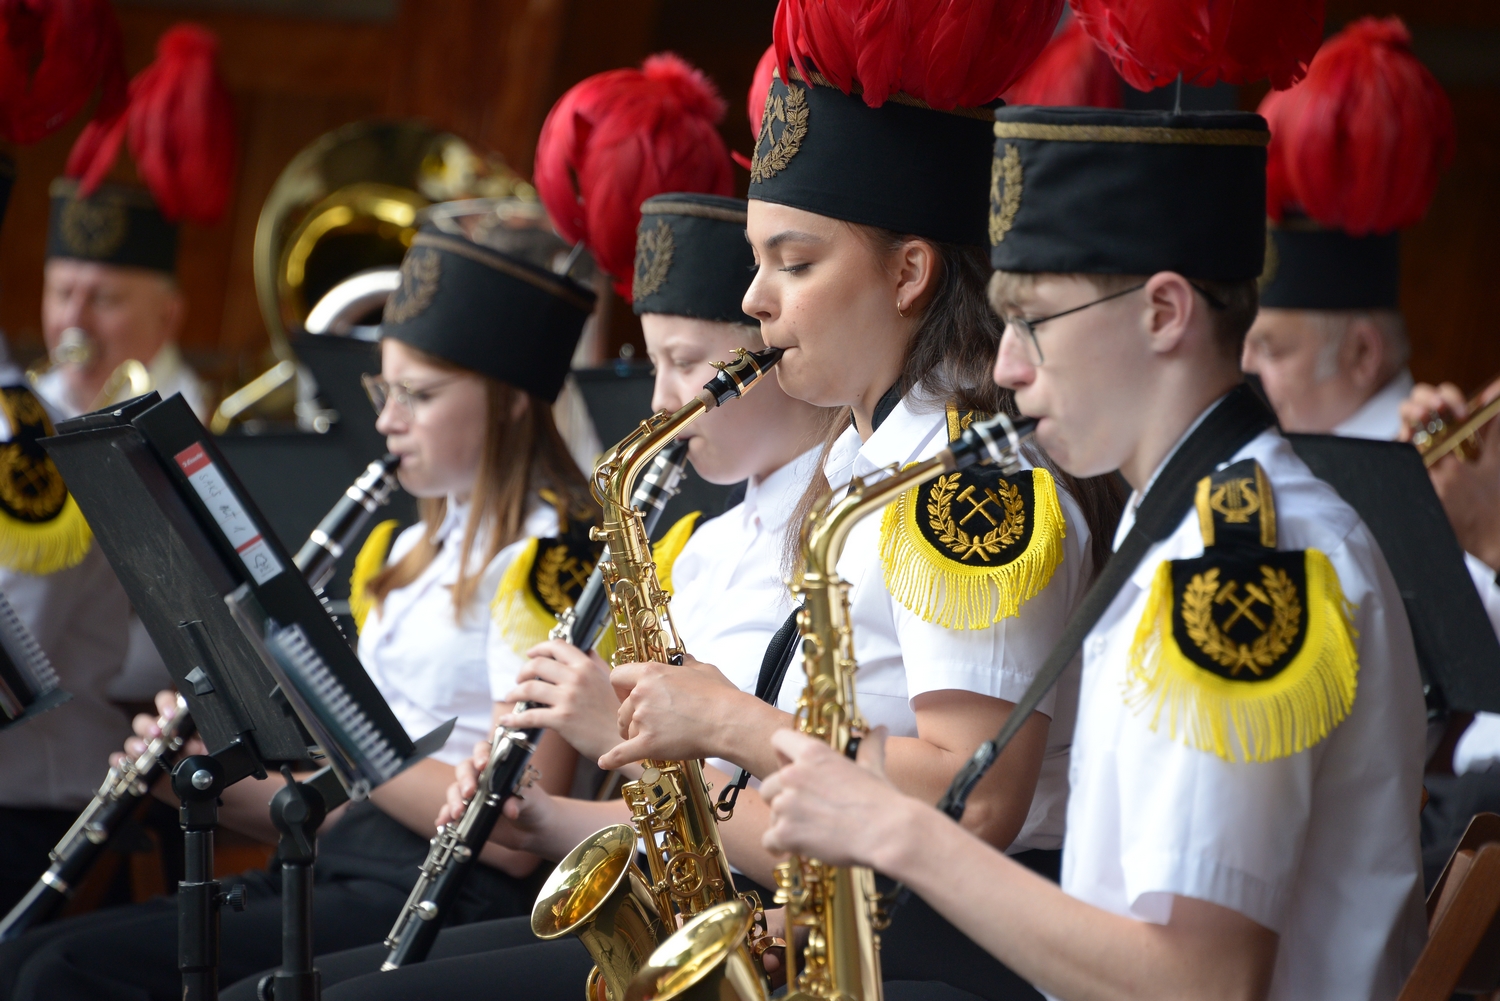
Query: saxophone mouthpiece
pixel 997 441
pixel 736 377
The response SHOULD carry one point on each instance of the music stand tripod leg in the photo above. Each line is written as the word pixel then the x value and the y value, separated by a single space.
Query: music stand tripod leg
pixel 198 780
pixel 297 810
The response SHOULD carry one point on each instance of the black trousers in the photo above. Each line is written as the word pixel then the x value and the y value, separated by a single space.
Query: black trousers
pixel 26 836
pixel 923 958
pixel 1452 802
pixel 130 953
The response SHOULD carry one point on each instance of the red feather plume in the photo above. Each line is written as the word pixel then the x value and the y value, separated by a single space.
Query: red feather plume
pixel 180 126
pixel 1070 72
pixel 54 54
pixel 1361 143
pixel 621 137
pixel 948 53
pixel 1152 42
pixel 760 88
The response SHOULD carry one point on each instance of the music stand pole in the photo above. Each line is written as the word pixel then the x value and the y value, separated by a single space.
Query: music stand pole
pixel 297 810
pixel 198 780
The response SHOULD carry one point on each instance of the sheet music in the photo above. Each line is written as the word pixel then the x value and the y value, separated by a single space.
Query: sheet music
pixel 229 512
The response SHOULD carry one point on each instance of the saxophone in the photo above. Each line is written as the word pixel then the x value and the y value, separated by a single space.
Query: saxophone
pixel 837 907
pixel 597 892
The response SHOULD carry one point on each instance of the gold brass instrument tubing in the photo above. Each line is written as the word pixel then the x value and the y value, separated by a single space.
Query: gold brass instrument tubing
pixel 1438 437
pixel 837 907
pixel 671 810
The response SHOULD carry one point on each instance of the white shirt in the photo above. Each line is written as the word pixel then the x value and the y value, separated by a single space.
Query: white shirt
pixel 1380 417
pixel 1320 847
pixel 730 591
pixel 430 665
pixel 1478 749
pixel 170 375
pixel 901 656
pixel 79 617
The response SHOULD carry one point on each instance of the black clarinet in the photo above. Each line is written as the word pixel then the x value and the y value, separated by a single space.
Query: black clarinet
pixel 130 781
pixel 457 845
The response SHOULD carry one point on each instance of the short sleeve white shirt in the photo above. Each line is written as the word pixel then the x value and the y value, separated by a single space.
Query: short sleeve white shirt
pixel 902 656
pixel 730 591
pixel 1320 847
pixel 430 664
pixel 1478 749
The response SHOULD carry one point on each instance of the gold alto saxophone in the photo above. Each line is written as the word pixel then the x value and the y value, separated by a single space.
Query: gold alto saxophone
pixel 837 908
pixel 598 892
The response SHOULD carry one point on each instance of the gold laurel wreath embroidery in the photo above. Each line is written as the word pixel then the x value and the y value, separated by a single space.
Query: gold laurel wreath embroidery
pixel 792 113
pixel 30 486
pixel 419 281
pixel 960 543
pixel 653 259
pixel 94 228
pixel 1286 611
pixel 1004 204
pixel 550 568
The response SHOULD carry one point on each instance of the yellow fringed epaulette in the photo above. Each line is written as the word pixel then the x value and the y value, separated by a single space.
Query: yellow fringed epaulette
pixel 664 551
pixel 967 549
pixel 42 529
pixel 1247 652
pixel 543 582
pixel 367 563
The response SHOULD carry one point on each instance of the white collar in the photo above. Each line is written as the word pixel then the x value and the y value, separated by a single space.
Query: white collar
pixel 1380 417
pixel 1127 516
pixel 899 439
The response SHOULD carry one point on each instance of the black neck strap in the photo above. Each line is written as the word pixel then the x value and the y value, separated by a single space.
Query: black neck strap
pixel 773 668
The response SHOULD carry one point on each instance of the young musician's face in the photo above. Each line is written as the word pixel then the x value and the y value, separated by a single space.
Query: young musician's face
pixel 438 431
pixel 824 294
pixel 1082 392
pixel 730 443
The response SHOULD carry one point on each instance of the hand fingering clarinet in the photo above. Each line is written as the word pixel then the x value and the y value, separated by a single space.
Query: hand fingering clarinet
pixel 130 781
pixel 458 844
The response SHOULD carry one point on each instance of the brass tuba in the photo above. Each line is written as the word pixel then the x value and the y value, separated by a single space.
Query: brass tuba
pixel 670 805
pixel 836 907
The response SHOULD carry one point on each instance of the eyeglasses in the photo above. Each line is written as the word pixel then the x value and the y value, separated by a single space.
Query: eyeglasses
pixel 1027 328
pixel 404 395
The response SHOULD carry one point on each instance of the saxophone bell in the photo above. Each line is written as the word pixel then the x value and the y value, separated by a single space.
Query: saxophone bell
pixel 599 894
pixel 706 960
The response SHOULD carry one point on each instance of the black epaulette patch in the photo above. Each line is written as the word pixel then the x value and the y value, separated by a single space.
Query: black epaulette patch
pixel 966 549
pixel 42 530
pixel 1247 650
pixel 544 580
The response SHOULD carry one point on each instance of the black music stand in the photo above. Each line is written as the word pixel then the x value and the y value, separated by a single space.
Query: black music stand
pixel 223 600
pixel 1387 484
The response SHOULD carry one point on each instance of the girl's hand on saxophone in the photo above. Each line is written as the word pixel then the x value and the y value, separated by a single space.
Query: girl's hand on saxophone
pixel 679 712
pixel 571 694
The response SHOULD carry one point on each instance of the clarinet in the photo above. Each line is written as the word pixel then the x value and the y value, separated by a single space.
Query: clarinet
pixel 457 845
pixel 130 781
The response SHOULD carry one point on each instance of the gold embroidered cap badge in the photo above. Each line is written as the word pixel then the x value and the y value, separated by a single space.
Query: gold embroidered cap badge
pixel 653 260
pixel 1005 193
pixel 773 150
pixel 420 273
pixel 94 227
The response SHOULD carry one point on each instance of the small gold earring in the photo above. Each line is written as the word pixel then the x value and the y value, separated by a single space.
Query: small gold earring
pixel 898 309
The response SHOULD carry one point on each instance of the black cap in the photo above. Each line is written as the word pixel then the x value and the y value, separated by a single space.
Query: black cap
pixel 901 166
pixel 691 257
pixel 1092 191
pixel 114 225
pixel 1310 267
pixel 487 312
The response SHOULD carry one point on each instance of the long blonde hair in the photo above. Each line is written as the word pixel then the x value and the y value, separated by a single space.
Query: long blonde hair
pixel 522 456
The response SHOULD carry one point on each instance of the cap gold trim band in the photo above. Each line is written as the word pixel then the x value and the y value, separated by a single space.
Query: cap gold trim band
pixel 1149 134
pixel 67 187
pixel 900 97
pixel 693 209
pixel 481 256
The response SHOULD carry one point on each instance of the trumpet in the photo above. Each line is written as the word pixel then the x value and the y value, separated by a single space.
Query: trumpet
pixel 671 811
pixel 458 844
pixel 1438 437
pixel 837 907
pixel 130 781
